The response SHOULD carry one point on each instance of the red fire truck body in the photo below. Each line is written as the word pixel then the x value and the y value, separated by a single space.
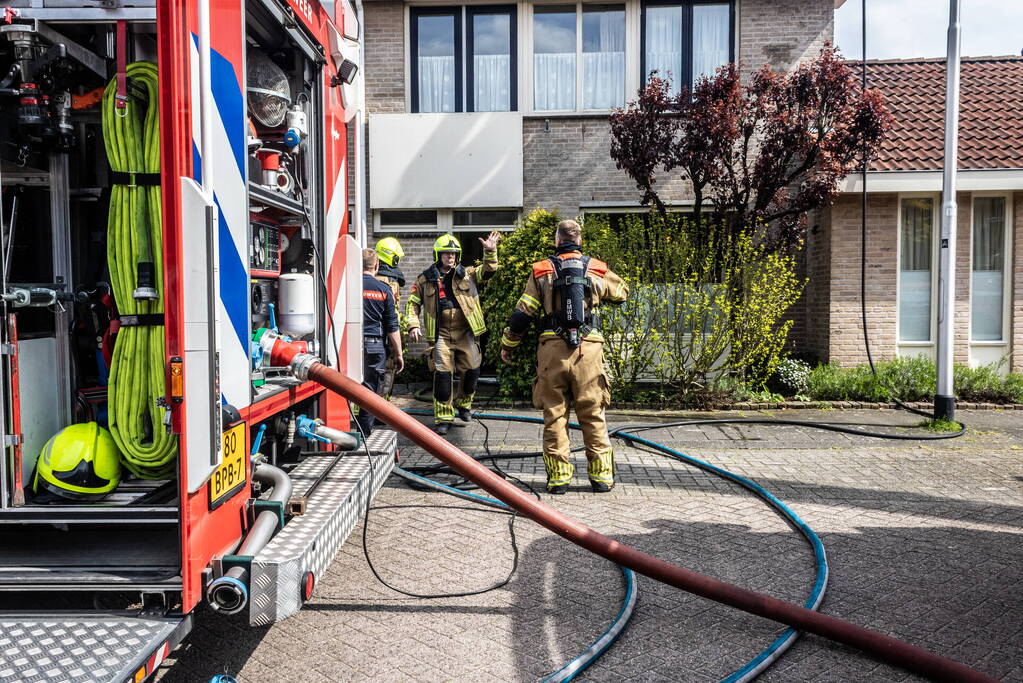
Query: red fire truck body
pixel 250 106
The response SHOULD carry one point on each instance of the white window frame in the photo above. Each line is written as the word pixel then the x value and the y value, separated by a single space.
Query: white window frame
pixel 445 221
pixel 1007 265
pixel 632 11
pixel 935 234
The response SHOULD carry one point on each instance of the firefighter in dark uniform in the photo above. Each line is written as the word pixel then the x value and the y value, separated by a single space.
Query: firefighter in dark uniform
pixel 444 307
pixel 379 322
pixel 566 290
pixel 390 252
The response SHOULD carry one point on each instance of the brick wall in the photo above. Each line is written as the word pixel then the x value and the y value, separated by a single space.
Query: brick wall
pixel 813 310
pixel 384 71
pixel 843 333
pixel 567 162
pixel 832 304
pixel 964 265
pixel 782 32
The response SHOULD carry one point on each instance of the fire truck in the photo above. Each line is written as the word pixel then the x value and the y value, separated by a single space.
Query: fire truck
pixel 174 194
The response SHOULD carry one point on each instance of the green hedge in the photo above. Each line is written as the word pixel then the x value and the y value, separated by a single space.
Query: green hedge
pixel 912 379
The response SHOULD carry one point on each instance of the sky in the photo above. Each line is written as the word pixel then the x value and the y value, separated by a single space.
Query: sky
pixel 918 28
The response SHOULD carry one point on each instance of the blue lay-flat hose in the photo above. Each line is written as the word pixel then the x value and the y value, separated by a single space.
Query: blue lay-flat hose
pixel 768 656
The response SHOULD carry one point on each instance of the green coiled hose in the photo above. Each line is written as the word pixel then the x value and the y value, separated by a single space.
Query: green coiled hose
pixel 134 235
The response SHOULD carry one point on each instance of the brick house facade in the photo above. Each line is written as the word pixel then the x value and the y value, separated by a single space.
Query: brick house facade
pixel 426 169
pixel 904 184
pixel 565 162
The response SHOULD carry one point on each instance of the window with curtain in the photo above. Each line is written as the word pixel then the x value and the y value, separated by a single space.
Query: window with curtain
pixel 493 68
pixel 663 44
pixel 554 48
pixel 437 39
pixel 603 56
pixel 561 57
pixel 987 279
pixel 915 252
pixel 488 70
pixel 684 40
pixel 711 38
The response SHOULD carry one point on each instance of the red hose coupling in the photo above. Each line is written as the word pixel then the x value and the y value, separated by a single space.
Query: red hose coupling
pixel 282 350
pixel 282 353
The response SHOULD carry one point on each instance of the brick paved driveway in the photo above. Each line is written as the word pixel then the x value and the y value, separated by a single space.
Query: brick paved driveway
pixel 924 542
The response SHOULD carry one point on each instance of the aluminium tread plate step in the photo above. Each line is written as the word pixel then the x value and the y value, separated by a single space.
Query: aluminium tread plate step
pixel 309 542
pixel 85 647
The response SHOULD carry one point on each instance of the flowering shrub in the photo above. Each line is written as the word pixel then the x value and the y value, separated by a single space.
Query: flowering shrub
pixel 792 377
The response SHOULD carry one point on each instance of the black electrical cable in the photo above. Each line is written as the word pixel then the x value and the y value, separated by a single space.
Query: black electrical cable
pixel 369 456
pixel 365 540
pixel 812 424
pixel 320 266
pixel 491 456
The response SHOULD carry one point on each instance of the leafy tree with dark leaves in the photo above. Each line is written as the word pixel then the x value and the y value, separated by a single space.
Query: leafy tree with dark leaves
pixel 758 154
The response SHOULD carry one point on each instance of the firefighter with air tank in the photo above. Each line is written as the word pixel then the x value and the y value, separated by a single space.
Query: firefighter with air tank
pixel 566 290
pixel 444 308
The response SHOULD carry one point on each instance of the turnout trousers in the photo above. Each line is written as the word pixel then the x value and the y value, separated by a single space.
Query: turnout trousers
pixel 565 377
pixel 455 351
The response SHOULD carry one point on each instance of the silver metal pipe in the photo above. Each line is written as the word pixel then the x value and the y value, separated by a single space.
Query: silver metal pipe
pixel 944 399
pixel 229 593
pixel 342 440
pixel 60 226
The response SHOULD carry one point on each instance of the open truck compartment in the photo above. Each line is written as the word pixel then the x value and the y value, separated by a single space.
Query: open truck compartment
pixel 172 191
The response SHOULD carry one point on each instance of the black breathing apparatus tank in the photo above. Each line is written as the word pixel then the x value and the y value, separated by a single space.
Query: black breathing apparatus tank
pixel 570 319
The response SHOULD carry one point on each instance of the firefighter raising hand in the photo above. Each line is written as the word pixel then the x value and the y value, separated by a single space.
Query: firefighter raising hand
pixel 490 244
pixel 444 309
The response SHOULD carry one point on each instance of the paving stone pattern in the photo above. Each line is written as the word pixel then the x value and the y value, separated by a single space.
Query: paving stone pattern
pixel 923 540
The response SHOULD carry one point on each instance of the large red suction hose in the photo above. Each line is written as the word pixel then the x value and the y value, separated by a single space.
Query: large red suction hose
pixel 885 648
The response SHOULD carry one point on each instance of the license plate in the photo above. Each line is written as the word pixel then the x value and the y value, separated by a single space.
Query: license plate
pixel 229 477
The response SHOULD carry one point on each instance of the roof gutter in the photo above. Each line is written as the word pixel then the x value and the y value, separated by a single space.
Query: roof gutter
pixel 968 180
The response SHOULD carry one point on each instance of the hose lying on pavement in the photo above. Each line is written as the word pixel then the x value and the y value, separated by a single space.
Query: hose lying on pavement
pixel 763 660
pixel 885 648
pixel 135 259
pixel 606 639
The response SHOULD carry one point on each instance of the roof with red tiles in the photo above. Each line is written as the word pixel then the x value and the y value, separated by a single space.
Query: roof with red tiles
pixel 990 115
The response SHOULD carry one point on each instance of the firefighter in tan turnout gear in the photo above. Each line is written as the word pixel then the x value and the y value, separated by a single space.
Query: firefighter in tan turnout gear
pixel 444 307
pixel 567 290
